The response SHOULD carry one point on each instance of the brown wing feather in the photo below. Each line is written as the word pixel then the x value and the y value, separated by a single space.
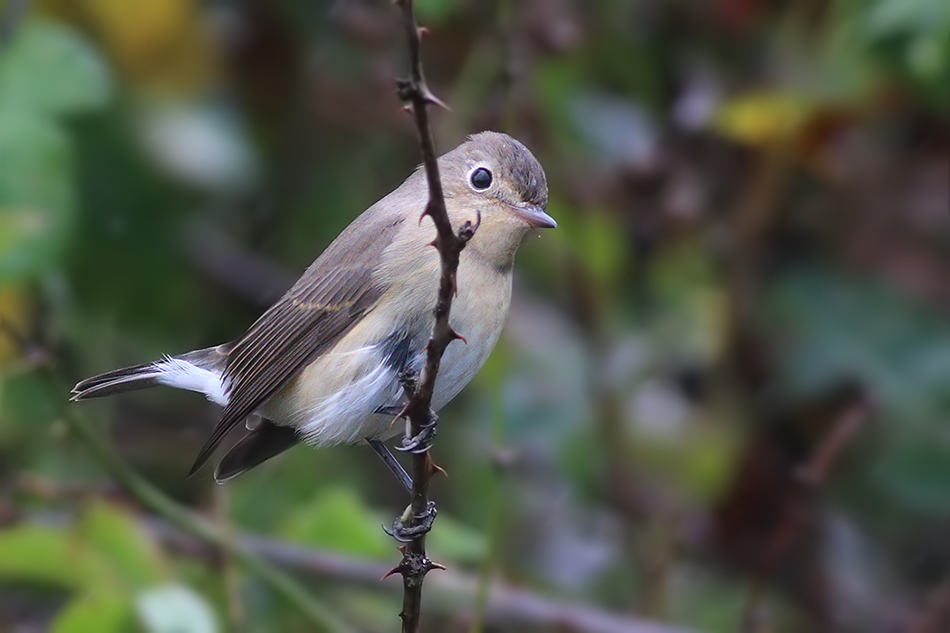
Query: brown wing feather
pixel 329 299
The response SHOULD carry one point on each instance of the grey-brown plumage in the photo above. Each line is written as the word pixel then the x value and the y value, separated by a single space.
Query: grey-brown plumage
pixel 322 363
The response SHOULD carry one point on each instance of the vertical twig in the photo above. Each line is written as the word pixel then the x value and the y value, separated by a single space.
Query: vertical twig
pixel 415 93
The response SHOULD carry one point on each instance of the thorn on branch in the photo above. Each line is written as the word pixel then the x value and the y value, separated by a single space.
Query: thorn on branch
pixel 431 99
pixel 435 469
pixel 422 216
pixel 412 93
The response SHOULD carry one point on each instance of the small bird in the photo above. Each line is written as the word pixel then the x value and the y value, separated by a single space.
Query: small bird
pixel 326 364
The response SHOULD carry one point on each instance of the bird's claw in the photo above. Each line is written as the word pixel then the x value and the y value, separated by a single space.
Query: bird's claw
pixel 418 525
pixel 422 441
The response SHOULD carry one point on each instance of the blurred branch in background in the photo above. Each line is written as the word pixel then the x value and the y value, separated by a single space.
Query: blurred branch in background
pixel 810 477
pixel 506 604
pixel 254 278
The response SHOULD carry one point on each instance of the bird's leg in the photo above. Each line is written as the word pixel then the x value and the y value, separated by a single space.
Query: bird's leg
pixel 421 442
pixel 421 524
pixel 408 527
pixel 390 460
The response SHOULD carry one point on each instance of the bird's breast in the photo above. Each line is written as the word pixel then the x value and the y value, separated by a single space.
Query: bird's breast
pixel 478 314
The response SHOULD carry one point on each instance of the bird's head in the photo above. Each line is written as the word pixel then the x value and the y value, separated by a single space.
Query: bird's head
pixel 494 175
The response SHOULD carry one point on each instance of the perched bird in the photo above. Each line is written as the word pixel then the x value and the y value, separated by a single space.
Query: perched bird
pixel 324 364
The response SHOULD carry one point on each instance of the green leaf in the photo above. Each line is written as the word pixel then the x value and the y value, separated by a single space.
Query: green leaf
pixel 337 519
pixel 175 609
pixel 36 193
pixel 96 612
pixel 117 537
pixel 48 68
pixel 50 556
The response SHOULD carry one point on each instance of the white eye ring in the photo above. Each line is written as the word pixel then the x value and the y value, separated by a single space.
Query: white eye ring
pixel 480 178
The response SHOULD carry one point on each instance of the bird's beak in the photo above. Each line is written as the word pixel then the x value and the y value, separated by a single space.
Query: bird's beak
pixel 535 216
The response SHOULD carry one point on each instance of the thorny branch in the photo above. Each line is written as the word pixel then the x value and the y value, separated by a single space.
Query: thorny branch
pixel 415 93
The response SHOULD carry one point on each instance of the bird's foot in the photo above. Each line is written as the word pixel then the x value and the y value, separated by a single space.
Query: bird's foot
pixel 422 441
pixel 409 527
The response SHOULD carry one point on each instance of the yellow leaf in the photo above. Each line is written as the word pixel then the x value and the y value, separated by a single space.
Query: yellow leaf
pixel 763 118
pixel 161 44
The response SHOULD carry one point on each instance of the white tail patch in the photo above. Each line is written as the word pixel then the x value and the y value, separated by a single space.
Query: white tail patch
pixel 181 374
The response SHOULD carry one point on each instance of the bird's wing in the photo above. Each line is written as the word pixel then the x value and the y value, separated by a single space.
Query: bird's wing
pixel 329 299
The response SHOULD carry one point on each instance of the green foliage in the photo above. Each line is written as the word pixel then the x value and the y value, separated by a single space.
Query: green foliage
pixel 118 537
pixel 49 556
pixel 47 69
pixel 37 198
pixel 96 611
pixel 913 36
pixel 338 519
pixel 113 570
pixel 46 72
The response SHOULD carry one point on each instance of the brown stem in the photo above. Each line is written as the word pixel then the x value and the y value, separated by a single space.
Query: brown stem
pixel 415 93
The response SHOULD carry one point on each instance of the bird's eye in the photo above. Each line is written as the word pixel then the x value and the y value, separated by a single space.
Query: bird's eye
pixel 481 178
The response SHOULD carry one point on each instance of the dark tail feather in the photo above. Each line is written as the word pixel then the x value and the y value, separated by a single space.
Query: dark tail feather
pixel 145 376
pixel 116 381
pixel 260 444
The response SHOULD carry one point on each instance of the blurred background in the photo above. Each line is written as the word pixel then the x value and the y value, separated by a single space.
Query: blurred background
pixel 722 399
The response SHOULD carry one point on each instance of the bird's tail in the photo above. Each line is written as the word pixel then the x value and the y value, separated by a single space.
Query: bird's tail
pixel 117 381
pixel 195 371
